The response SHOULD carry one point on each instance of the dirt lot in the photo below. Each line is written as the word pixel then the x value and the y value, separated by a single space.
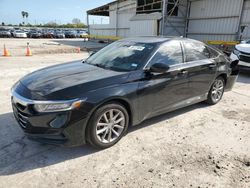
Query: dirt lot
pixel 199 146
pixel 17 47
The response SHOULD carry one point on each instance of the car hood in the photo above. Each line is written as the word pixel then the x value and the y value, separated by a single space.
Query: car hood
pixel 243 48
pixel 69 80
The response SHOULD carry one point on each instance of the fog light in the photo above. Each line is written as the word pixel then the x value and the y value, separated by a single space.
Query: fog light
pixel 59 121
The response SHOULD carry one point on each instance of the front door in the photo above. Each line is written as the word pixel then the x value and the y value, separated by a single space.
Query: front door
pixel 161 92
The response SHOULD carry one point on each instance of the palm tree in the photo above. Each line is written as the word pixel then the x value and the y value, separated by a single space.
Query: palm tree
pixel 23 15
pixel 26 15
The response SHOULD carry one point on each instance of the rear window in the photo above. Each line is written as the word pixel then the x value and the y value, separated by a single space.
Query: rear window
pixel 195 51
pixel 213 52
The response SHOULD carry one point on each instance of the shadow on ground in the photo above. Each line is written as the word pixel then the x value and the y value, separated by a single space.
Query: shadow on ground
pixel 19 154
pixel 244 77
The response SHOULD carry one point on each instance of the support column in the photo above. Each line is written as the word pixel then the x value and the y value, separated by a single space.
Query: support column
pixel 88 23
pixel 116 20
pixel 187 18
pixel 164 8
pixel 239 32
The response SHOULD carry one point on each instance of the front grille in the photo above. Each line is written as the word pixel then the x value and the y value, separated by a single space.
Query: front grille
pixel 21 117
pixel 245 58
pixel 23 120
pixel 20 106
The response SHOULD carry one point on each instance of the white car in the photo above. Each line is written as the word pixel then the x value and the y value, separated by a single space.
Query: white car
pixel 242 53
pixel 84 35
pixel 19 34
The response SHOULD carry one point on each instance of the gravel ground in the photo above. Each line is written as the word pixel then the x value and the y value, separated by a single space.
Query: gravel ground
pixel 198 146
pixel 17 47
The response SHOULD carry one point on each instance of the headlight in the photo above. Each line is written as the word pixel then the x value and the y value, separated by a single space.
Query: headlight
pixel 57 106
pixel 236 52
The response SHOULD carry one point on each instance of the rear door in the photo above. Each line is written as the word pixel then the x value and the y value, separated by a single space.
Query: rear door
pixel 201 67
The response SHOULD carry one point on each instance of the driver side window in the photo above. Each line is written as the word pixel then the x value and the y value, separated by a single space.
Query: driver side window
pixel 169 53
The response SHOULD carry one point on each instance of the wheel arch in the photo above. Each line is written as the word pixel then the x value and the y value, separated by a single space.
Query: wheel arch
pixel 121 101
pixel 124 103
pixel 224 76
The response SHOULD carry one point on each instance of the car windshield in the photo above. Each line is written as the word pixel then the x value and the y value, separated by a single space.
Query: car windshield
pixel 122 56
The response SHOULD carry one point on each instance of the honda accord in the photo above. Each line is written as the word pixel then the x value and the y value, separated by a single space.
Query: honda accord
pixel 95 101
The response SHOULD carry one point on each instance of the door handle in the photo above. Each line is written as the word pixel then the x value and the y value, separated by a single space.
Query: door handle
pixel 212 66
pixel 182 72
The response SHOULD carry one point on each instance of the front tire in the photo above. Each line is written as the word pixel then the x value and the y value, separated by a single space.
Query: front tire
pixel 107 125
pixel 216 92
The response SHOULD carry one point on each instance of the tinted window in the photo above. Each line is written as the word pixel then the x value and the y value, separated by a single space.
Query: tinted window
pixel 195 51
pixel 169 53
pixel 213 53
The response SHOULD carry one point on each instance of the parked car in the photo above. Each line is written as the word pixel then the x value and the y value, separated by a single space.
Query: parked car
pixel 19 34
pixel 35 34
pixel 48 34
pixel 241 52
pixel 5 33
pixel 128 81
pixel 84 35
pixel 70 34
pixel 79 33
pixel 12 32
pixel 59 34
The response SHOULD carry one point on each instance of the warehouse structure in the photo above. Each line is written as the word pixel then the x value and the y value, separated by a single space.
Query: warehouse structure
pixel 206 20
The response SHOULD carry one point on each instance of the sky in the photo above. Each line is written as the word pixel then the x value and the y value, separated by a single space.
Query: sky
pixel 44 11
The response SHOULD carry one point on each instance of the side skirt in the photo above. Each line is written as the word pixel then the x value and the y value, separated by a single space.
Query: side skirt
pixel 182 104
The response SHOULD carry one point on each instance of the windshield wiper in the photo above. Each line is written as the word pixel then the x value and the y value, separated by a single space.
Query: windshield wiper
pixel 100 66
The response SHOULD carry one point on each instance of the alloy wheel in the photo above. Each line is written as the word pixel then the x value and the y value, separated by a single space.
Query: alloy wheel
pixel 110 125
pixel 217 90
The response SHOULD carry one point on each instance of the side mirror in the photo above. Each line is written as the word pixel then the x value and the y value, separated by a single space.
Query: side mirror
pixel 159 68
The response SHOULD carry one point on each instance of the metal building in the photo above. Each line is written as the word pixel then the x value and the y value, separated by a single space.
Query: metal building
pixel 206 20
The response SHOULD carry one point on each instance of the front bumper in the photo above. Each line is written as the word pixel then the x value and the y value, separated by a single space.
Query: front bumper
pixel 243 65
pixel 69 129
pixel 73 135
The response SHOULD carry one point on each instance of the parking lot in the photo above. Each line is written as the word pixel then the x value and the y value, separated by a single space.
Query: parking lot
pixel 198 146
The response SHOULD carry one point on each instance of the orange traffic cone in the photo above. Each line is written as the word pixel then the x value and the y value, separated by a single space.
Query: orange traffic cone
pixel 78 50
pixel 6 53
pixel 28 51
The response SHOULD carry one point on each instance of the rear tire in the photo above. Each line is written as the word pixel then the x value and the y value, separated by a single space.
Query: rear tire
pixel 107 125
pixel 216 92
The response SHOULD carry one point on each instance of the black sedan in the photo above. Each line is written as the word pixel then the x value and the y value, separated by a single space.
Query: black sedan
pixel 125 83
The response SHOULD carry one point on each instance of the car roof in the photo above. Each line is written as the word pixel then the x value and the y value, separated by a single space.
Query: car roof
pixel 157 39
